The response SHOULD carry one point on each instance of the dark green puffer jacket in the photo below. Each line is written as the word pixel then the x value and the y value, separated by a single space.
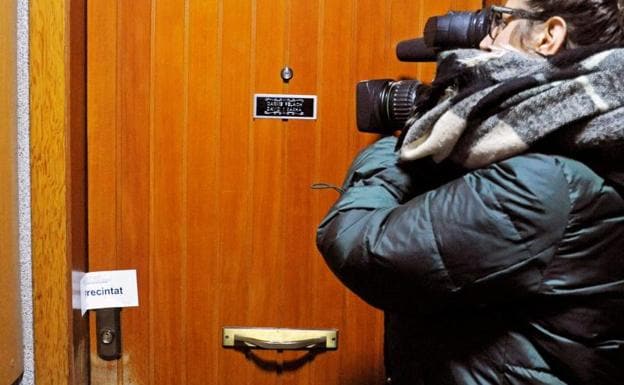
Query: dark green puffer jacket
pixel 511 274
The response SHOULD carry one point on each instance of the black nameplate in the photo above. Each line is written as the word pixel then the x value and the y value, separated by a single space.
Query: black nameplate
pixel 278 106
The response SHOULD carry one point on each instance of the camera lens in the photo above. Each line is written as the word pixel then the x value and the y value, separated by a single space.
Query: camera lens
pixel 384 105
pixel 457 29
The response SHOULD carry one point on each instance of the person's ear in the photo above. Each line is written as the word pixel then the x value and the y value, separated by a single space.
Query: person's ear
pixel 552 36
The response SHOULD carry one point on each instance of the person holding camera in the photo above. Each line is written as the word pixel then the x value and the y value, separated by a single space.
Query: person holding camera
pixel 491 232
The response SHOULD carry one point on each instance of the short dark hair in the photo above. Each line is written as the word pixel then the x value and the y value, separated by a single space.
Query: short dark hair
pixel 589 21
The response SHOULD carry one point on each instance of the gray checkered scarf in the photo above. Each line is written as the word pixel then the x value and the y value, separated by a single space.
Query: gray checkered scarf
pixel 494 105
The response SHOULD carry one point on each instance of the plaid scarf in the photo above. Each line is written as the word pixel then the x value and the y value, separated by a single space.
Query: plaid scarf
pixel 487 106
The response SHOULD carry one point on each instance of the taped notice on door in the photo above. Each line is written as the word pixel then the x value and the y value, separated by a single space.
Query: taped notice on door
pixel 108 289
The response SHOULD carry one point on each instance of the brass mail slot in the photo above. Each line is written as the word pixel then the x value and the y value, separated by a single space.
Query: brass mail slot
pixel 280 338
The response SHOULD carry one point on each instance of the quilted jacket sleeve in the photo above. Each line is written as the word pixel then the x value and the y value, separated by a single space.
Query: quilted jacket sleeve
pixel 481 238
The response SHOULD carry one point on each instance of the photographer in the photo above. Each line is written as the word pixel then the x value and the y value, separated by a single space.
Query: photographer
pixel 493 238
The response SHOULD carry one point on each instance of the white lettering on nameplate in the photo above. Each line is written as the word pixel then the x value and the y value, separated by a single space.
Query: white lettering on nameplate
pixel 284 106
pixel 108 289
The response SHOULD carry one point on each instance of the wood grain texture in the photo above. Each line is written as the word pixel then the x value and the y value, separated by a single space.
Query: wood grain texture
pixel 102 118
pixel 10 310
pixel 487 3
pixel 58 191
pixel 204 229
pixel 133 106
pixel 213 208
pixel 168 212
pixel 77 179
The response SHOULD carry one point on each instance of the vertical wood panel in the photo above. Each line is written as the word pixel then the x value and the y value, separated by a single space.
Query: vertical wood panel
pixel 48 130
pixel 168 186
pixel 10 311
pixel 267 166
pixel 235 179
pixel 265 295
pixel 487 3
pixel 133 122
pixel 58 192
pixel 103 160
pixel 204 223
pixel 77 178
pixel 469 5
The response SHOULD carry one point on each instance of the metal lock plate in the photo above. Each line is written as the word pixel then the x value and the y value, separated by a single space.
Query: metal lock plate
pixel 108 326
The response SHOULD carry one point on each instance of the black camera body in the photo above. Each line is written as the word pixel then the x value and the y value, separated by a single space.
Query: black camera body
pixel 384 105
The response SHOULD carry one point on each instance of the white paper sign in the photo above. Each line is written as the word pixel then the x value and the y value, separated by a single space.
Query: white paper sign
pixel 108 289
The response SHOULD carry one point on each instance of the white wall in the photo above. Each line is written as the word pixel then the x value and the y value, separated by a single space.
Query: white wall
pixel 24 188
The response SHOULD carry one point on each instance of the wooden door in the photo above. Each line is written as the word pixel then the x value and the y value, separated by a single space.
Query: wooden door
pixel 213 207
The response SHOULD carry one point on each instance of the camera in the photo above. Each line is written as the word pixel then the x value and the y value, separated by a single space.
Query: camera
pixel 384 105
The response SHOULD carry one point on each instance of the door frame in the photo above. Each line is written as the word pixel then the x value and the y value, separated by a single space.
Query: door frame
pixel 58 187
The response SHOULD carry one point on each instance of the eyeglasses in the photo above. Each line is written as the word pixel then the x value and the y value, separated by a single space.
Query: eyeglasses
pixel 498 23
